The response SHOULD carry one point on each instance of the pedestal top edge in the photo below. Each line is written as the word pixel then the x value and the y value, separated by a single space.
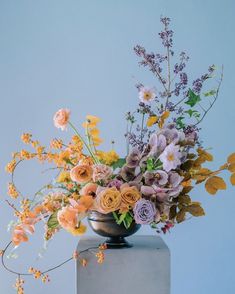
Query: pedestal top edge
pixel 149 242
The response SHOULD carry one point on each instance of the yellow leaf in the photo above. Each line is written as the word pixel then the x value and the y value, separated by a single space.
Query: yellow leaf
pixel 204 154
pixel 231 158
pixel 180 217
pixel 199 179
pixel 195 209
pixel 203 171
pixel 232 179
pixel 231 167
pixel 224 166
pixel 165 115
pixel 184 199
pixel 187 183
pixel 187 189
pixel 214 184
pixel 152 120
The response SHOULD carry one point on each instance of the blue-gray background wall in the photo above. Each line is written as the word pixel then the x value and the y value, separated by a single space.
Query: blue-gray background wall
pixel 78 54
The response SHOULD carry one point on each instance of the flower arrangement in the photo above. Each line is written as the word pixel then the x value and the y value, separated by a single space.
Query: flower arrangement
pixel 150 185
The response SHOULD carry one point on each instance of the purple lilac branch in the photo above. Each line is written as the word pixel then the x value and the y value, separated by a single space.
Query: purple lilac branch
pixel 215 96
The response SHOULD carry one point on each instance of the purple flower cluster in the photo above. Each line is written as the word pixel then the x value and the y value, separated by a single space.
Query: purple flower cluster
pixel 198 83
pixel 166 35
pixel 155 169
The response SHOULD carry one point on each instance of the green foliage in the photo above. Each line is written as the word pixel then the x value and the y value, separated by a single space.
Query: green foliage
pixel 126 218
pixel 193 113
pixel 153 164
pixel 52 222
pixel 193 99
pixel 119 163
pixel 210 93
pixel 179 122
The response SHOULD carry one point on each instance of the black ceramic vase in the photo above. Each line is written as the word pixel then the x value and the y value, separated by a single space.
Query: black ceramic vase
pixel 105 225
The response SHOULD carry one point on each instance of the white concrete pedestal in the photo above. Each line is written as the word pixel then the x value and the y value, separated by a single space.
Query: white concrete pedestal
pixel 142 269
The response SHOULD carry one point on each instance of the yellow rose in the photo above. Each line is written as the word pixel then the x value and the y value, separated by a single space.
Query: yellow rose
pixel 108 200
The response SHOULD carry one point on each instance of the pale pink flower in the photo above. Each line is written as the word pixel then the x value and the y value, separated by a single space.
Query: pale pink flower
pixel 101 172
pixel 146 94
pixel 61 118
pixel 171 157
pixel 89 189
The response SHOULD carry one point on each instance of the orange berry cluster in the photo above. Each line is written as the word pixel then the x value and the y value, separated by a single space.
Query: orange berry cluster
pixel 10 166
pixel 100 256
pixel 11 191
pixel 56 144
pixel 19 286
pixel 38 274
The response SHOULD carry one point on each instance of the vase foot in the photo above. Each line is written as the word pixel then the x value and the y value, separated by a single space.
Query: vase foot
pixel 117 243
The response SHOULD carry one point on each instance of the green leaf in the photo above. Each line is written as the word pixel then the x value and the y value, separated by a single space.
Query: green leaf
pixel 121 218
pixel 194 113
pixel 153 164
pixel 210 93
pixel 180 123
pixel 150 164
pixel 115 216
pixel 128 220
pixel 193 98
pixel 52 222
pixel 119 163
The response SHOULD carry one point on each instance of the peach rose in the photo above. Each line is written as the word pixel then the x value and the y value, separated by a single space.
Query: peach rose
pixel 108 200
pixel 130 195
pixel 68 218
pixel 89 189
pixel 81 173
pixel 61 118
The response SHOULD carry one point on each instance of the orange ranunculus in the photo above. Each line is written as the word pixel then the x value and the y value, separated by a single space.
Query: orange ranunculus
pixel 68 217
pixel 83 204
pixel 108 200
pixel 81 173
pixel 27 226
pixel 61 118
pixel 89 189
pixel 19 235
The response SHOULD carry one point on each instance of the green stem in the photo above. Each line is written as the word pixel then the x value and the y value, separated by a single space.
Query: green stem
pixel 142 128
pixel 84 142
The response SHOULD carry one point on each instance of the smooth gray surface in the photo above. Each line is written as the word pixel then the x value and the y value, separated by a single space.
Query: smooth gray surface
pixel 142 269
